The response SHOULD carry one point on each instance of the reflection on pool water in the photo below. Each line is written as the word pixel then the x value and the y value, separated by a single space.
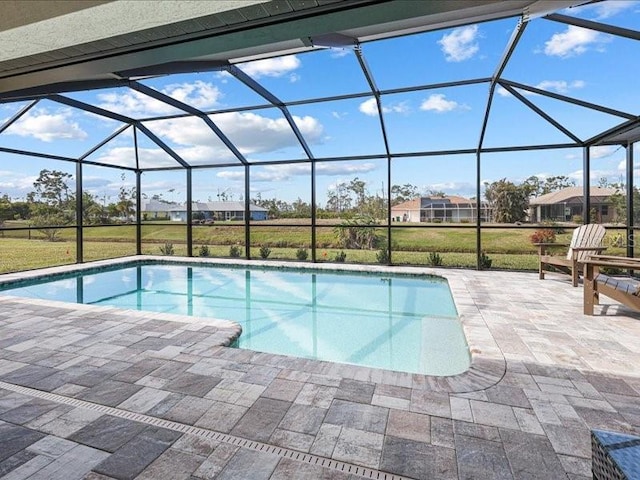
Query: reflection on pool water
pixel 403 323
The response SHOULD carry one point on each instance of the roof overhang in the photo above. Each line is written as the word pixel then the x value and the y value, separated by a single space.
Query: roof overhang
pixel 111 41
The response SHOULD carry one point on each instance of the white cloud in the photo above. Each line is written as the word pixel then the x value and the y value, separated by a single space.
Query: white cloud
pixel 280 173
pixel 558 86
pixel 370 107
pixel 251 133
pixel 342 168
pixel 271 67
pixel 460 44
pixel 47 126
pixel 134 104
pixel 437 102
pixel 604 10
pixel 573 41
pixel 603 151
pixel 464 189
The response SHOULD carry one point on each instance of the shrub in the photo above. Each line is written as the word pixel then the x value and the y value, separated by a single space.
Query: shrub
pixel 383 255
pixel 485 261
pixel 302 254
pixel 167 249
pixel 577 219
pixel 204 251
pixel 435 260
pixel 234 251
pixel 543 236
pixel 265 252
pixel 341 256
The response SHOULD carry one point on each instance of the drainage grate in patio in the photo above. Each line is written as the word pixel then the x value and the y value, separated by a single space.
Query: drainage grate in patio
pixel 203 432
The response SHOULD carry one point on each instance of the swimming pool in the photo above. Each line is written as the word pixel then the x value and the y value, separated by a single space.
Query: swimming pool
pixel 403 323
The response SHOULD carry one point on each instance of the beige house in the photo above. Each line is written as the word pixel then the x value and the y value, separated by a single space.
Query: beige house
pixel 565 204
pixel 448 209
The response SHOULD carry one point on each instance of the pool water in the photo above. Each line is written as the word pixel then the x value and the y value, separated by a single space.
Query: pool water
pixel 402 323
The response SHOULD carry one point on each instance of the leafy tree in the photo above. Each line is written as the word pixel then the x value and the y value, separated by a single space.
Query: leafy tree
pixel 403 193
pixel 358 233
pixel 51 188
pixel 534 186
pixel 509 202
pixel 339 199
pixel 126 200
pixel 51 203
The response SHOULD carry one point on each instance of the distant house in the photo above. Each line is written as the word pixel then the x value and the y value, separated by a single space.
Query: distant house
pixel 565 204
pixel 217 211
pixel 154 210
pixel 453 209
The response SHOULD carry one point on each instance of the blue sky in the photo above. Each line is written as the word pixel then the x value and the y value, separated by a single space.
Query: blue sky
pixel 587 65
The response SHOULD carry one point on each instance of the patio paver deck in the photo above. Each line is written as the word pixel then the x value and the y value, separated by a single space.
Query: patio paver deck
pixel 101 393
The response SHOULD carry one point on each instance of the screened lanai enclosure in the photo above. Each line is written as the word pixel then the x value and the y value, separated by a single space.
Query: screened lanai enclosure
pixel 324 131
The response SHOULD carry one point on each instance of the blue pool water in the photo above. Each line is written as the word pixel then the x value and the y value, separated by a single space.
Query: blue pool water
pixel 396 322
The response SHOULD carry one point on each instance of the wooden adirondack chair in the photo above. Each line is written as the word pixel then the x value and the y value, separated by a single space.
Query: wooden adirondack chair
pixel 623 289
pixel 585 241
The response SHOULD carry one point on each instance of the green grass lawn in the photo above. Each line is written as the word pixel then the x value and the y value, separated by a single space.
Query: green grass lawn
pixel 508 248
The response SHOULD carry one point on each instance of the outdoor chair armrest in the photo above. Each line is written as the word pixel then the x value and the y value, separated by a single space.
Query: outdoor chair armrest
pixel 615 262
pixel 589 249
pixel 550 244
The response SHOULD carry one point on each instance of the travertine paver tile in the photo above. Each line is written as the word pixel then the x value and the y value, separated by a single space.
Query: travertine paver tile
pixel 481 459
pixel 137 453
pixel 431 403
pixel 474 430
pixel 418 459
pixel 359 447
pixel 316 395
pixel 460 409
pixel 493 414
pixel 109 392
pixel 576 465
pixel 531 456
pixel 303 419
pixel 235 392
pixel 107 433
pixel 506 395
pixel 172 464
pixel 144 400
pixel 527 421
pixel 569 440
pixel 188 410
pixel 325 441
pixel 545 412
pixel 281 389
pixel 355 391
pixel 260 375
pixel 221 417
pixel 357 416
pixel 27 411
pixel 409 425
pixel 16 438
pixel 51 446
pixel 16 461
pixel 249 464
pixel 603 420
pixel 442 432
pixel 73 464
pixel 196 444
pixel 294 440
pixel 261 419
pixel 606 384
pixel 288 469
pixel 216 461
pixel 192 384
